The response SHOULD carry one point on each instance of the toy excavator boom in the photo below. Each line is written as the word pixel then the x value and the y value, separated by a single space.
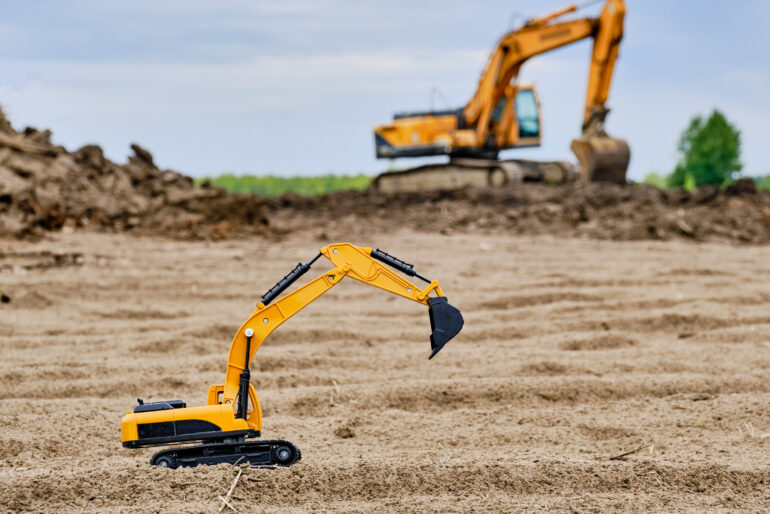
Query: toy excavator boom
pixel 224 425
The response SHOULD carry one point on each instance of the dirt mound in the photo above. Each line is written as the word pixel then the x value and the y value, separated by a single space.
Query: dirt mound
pixel 45 187
pixel 738 213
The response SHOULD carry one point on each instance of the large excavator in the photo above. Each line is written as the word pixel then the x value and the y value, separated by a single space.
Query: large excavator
pixel 504 114
pixel 226 427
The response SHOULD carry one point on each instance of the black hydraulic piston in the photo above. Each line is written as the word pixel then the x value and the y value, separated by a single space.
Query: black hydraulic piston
pixel 299 270
pixel 243 387
pixel 395 262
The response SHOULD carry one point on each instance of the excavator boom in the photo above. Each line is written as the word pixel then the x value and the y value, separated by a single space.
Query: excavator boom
pixel 226 422
pixel 362 264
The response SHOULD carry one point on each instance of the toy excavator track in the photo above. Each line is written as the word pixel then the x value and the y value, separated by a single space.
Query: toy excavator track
pixel 257 453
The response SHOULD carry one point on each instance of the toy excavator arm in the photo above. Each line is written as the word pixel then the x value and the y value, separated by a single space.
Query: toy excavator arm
pixel 539 36
pixel 349 260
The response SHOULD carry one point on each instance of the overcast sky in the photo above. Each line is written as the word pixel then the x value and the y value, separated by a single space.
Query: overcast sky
pixel 295 86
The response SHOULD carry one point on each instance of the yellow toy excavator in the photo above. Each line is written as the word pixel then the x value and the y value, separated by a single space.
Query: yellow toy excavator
pixel 504 113
pixel 233 416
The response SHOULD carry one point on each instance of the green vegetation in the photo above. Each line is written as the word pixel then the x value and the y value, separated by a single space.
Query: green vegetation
pixel 709 153
pixel 270 185
pixel 655 179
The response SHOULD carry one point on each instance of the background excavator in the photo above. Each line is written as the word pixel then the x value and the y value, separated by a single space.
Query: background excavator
pixel 233 415
pixel 504 114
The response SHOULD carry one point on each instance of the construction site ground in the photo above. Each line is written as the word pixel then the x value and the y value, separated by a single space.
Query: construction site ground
pixel 575 350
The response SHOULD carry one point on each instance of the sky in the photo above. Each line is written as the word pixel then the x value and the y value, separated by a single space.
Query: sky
pixel 294 87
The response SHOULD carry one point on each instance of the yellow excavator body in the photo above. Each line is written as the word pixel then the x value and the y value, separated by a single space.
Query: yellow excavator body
pixel 138 429
pixel 233 413
pixel 504 113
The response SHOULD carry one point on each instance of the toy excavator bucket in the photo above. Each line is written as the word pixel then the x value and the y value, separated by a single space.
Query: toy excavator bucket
pixel 445 323
pixel 602 158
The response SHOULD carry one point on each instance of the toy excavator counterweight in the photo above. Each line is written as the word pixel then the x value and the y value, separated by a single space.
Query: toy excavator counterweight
pixel 227 426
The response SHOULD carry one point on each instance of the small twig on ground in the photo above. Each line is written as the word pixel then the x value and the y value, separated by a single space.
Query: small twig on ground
pixel 226 499
pixel 626 454
pixel 336 391
pixel 225 503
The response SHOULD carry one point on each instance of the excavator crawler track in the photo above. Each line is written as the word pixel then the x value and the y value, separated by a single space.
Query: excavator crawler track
pixel 459 173
pixel 270 453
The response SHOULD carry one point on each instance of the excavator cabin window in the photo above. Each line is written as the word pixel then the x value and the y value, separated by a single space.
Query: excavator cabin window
pixel 527 115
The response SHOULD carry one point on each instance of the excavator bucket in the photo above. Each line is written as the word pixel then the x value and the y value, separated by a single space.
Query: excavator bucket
pixel 445 323
pixel 602 158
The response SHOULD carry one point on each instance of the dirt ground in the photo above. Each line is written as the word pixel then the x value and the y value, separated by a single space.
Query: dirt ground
pixel 573 351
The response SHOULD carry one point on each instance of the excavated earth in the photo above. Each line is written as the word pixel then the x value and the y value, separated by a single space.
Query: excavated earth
pixel 739 213
pixel 46 188
pixel 574 351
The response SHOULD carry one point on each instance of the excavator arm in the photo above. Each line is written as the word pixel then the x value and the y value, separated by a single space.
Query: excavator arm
pixel 362 264
pixel 609 33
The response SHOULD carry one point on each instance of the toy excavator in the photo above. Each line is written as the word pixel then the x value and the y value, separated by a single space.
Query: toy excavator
pixel 505 113
pixel 233 415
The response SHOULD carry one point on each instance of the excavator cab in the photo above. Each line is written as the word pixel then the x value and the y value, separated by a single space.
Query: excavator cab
pixel 527 117
pixel 520 127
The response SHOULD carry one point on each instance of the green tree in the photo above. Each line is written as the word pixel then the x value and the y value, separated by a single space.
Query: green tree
pixel 709 152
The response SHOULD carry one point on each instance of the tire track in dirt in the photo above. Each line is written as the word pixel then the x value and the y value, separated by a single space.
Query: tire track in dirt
pixel 524 391
pixel 308 484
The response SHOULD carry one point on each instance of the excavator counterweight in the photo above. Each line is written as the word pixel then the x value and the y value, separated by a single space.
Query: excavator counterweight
pixel 505 114
pixel 233 415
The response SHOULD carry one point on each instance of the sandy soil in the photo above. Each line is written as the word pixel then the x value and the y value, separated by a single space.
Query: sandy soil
pixel 573 351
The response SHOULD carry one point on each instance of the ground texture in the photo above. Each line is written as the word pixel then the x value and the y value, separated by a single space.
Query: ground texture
pixel 573 351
